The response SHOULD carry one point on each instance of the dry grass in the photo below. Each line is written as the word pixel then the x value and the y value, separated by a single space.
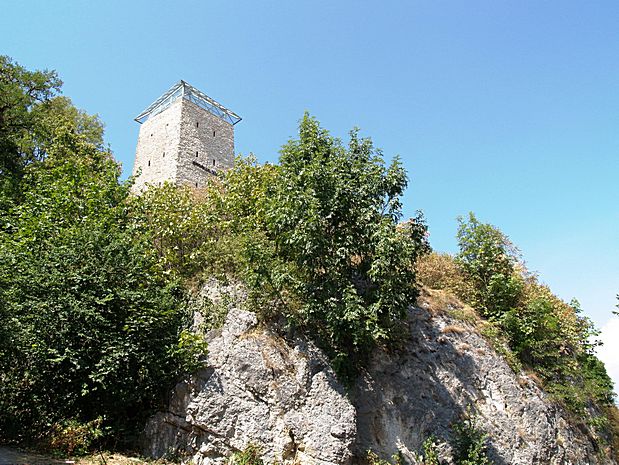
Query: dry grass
pixel 536 379
pixel 440 271
pixel 453 329
pixel 442 302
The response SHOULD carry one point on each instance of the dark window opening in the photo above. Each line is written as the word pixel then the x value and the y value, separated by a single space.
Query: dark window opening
pixel 213 133
pixel 197 124
pixel 148 162
pixel 196 154
pixel 213 162
pixel 151 134
pixel 163 154
pixel 196 184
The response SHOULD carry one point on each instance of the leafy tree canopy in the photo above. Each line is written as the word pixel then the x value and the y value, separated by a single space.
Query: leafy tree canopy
pixel 30 111
pixel 333 214
pixel 90 325
pixel 489 259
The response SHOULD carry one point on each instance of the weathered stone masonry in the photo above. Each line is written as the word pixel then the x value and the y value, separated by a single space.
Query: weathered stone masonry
pixel 185 138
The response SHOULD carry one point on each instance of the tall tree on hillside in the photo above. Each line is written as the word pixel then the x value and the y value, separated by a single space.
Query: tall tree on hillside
pixel 20 91
pixel 30 111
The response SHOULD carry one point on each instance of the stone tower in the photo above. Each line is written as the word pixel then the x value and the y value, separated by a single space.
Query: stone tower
pixel 185 137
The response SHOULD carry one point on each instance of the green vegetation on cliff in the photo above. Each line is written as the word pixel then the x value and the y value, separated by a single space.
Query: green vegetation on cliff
pixel 94 317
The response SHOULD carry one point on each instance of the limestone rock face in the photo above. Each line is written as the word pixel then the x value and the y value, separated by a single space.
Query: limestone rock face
pixel 447 365
pixel 256 388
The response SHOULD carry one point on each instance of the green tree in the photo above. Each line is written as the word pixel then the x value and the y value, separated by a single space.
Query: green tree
pixel 90 323
pixel 30 112
pixel 489 259
pixel 333 214
pixel 20 91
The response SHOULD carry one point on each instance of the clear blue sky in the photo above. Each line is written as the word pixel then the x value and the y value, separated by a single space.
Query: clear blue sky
pixel 508 109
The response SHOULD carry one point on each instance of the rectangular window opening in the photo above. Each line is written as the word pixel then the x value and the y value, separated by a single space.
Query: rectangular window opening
pixel 196 154
pixel 213 133
pixel 197 124
pixel 213 162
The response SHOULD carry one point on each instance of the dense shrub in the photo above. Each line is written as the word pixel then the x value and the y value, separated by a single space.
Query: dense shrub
pixel 333 214
pixel 470 442
pixel 92 321
pixel 89 320
pixel 183 224
pixel 70 437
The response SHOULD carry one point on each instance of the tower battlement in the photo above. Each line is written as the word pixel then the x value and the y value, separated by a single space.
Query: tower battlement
pixel 185 138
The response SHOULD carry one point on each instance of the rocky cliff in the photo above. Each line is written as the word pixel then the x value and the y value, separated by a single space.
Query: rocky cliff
pixel 259 388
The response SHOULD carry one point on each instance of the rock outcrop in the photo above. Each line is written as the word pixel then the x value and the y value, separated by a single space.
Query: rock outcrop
pixel 257 388
pixel 446 368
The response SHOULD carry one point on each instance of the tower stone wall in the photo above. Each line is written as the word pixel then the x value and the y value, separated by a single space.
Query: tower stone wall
pixel 206 145
pixel 182 143
pixel 157 151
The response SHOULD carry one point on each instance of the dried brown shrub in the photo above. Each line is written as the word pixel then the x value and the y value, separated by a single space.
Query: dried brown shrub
pixel 440 271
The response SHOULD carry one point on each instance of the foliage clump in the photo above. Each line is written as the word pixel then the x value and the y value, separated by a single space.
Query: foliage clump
pixel 470 442
pixel 488 260
pixel 332 217
pixel 70 437
pixel 90 323
pixel 248 456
